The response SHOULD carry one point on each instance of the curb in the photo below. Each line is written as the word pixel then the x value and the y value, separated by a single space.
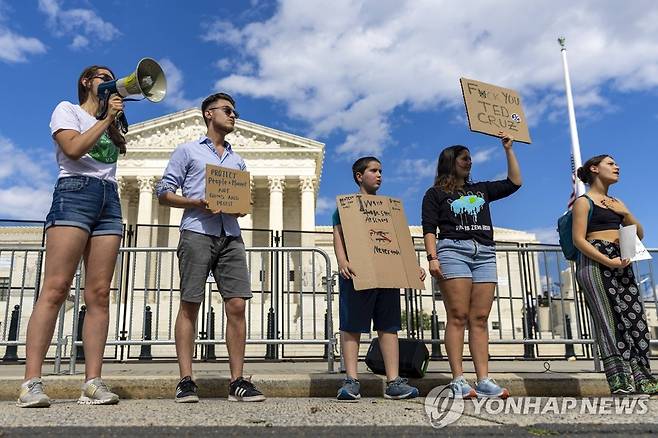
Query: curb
pixel 315 385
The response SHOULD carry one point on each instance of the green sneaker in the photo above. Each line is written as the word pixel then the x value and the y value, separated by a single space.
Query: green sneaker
pixel 32 395
pixel 647 387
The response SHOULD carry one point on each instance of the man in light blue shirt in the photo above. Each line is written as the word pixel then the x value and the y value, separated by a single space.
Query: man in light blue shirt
pixel 209 242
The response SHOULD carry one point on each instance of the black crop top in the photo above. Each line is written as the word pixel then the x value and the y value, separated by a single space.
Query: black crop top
pixel 604 219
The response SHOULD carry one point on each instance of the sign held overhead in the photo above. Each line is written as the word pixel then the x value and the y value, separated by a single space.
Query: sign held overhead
pixel 491 109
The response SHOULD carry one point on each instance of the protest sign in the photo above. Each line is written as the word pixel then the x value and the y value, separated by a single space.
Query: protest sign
pixel 491 109
pixel 378 242
pixel 228 190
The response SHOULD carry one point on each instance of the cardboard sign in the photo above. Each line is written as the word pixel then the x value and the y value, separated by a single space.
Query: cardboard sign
pixel 228 190
pixel 378 242
pixel 491 109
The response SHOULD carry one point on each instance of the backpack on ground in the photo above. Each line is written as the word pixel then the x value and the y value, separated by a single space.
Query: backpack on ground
pixel 564 229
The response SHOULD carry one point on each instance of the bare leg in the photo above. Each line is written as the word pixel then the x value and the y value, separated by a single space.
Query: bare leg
pixel 64 248
pixel 185 332
pixel 457 296
pixel 482 296
pixel 349 344
pixel 100 261
pixel 236 334
pixel 388 342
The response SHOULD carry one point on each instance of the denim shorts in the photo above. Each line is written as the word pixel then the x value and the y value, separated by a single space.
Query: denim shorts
pixel 224 256
pixel 467 259
pixel 88 203
pixel 359 309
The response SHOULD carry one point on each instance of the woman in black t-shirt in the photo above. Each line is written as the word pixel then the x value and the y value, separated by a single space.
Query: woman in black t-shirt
pixel 464 261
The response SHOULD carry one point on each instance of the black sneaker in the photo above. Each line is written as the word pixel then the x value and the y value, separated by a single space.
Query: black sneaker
pixel 243 390
pixel 186 391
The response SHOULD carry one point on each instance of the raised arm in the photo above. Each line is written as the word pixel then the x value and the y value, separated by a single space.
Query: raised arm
pixel 513 168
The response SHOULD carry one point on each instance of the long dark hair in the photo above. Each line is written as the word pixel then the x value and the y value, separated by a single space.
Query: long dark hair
pixel 83 94
pixel 446 178
pixel 584 173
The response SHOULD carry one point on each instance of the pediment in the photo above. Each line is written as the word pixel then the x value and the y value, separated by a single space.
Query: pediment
pixel 163 134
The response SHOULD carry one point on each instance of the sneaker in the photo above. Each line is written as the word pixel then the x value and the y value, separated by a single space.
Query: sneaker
pixel 647 387
pixel 32 395
pixel 399 389
pixel 622 386
pixel 461 388
pixel 96 392
pixel 350 391
pixel 488 388
pixel 186 391
pixel 243 390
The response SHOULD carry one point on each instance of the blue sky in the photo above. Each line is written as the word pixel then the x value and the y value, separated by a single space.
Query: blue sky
pixel 365 77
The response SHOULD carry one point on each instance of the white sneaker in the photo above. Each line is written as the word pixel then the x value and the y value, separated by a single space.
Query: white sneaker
pixel 32 395
pixel 96 392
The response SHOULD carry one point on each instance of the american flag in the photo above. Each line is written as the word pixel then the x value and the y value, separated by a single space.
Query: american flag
pixel 574 189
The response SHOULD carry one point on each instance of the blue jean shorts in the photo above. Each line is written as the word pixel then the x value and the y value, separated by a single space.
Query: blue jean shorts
pixel 89 203
pixel 360 309
pixel 467 259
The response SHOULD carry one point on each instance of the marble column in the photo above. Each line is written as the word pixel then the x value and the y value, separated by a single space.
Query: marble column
pixel 124 199
pixel 145 209
pixel 307 212
pixel 276 184
pixel 307 190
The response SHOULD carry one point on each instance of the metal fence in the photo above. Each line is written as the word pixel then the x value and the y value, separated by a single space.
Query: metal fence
pixel 539 311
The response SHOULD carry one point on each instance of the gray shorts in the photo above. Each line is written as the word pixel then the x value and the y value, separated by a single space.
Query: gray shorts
pixel 225 256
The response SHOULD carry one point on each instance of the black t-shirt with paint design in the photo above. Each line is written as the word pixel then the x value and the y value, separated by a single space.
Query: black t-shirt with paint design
pixel 464 214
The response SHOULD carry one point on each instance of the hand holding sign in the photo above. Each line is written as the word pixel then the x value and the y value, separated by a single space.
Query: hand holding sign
pixel 228 190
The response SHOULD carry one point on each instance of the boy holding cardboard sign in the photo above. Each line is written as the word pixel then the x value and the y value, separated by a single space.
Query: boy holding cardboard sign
pixel 358 308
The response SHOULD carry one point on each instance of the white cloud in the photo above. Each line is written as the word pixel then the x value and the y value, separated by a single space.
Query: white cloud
pixel 24 202
pixel 15 47
pixel 324 205
pixel 83 24
pixel 346 69
pixel 175 94
pixel 79 42
pixel 483 155
pixel 16 163
pixel 415 168
pixel 25 183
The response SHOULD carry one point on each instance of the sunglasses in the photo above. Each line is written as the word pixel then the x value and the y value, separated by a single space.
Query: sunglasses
pixel 227 110
pixel 103 77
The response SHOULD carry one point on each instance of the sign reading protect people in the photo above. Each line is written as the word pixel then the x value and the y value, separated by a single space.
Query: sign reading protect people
pixel 228 190
pixel 491 109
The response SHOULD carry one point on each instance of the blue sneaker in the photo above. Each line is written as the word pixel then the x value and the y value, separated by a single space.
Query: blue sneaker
pixel 461 388
pixel 399 389
pixel 488 388
pixel 349 392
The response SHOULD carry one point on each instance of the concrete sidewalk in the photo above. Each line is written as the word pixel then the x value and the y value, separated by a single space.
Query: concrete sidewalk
pixel 153 380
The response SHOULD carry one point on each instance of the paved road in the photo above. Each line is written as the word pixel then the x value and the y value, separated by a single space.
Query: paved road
pixel 318 417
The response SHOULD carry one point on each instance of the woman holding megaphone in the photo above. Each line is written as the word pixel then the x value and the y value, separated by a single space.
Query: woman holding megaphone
pixel 84 222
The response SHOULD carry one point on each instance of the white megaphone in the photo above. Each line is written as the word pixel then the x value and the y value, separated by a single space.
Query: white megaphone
pixel 147 80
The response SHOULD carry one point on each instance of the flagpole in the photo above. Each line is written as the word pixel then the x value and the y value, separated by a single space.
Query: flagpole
pixel 575 144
